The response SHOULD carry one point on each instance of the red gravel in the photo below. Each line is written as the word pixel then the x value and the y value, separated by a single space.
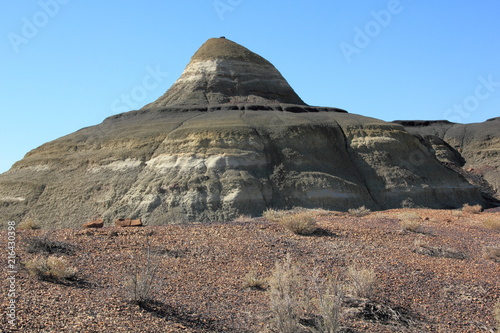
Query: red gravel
pixel 202 269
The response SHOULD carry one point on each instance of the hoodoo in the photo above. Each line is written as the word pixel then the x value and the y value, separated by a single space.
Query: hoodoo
pixel 229 137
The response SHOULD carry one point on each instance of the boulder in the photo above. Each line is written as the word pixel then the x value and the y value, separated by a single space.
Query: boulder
pixel 99 223
pixel 128 223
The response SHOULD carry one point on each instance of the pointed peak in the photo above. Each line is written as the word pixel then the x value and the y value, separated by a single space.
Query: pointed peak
pixel 224 72
pixel 222 48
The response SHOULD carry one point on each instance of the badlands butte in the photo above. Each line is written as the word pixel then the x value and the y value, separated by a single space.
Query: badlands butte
pixel 231 137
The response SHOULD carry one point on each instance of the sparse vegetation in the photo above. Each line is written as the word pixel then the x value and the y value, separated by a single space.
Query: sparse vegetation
pixel 440 252
pixel 50 268
pixel 492 223
pixel 492 253
pixel 29 224
pixel 46 245
pixel 142 281
pixel 301 223
pixel 286 296
pixel 273 214
pixel 359 212
pixel 254 281
pixel 363 282
pixel 476 209
pixel 243 218
pixel 411 225
pixel 330 297
pixel 496 313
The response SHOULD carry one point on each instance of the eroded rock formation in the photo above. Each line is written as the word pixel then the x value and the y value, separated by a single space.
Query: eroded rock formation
pixel 475 148
pixel 230 137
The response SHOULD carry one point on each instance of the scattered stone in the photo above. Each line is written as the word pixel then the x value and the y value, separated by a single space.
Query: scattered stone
pixel 128 223
pixel 99 223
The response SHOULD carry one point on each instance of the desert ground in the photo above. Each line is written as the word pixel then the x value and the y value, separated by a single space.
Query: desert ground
pixel 433 271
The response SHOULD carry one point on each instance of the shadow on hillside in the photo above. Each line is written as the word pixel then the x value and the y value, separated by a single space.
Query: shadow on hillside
pixel 183 317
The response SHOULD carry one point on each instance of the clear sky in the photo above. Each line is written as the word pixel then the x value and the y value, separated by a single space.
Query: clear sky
pixel 68 64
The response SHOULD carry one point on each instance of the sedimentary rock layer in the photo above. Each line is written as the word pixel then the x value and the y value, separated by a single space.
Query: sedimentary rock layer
pixel 168 166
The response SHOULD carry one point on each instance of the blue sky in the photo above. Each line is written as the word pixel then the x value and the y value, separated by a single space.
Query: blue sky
pixel 67 64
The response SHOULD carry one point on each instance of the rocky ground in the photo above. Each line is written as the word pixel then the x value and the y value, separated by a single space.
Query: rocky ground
pixel 432 270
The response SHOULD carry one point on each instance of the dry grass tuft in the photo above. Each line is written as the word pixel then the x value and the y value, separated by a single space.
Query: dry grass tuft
pixel 273 214
pixel 411 225
pixel 492 223
pixel 492 253
pixel 363 282
pixel 243 218
pixel 476 209
pixel 359 212
pixel 253 280
pixel 299 223
pixel 29 224
pixel 496 313
pixel 50 268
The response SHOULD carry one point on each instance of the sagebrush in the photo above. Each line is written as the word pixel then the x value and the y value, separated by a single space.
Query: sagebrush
pixel 142 281
pixel 50 268
pixel 363 282
pixel 286 296
pixel 299 223
pixel 476 209
pixel 359 212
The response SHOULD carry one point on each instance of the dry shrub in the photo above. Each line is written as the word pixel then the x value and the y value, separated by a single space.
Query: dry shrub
pixel 492 223
pixel 50 268
pixel 299 223
pixel 363 282
pixel 254 281
pixel 243 218
pixel 142 282
pixel 496 313
pixel 359 212
pixel 492 253
pixel 329 301
pixel 273 214
pixel 286 296
pixel 411 225
pixel 29 224
pixel 476 209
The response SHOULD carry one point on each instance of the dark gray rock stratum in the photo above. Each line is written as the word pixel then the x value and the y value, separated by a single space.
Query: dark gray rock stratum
pixel 475 148
pixel 230 137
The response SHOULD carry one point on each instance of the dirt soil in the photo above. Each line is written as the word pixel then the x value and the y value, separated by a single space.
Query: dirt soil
pixel 202 269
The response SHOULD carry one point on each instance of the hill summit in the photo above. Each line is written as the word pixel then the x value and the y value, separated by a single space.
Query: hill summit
pixel 224 72
pixel 230 137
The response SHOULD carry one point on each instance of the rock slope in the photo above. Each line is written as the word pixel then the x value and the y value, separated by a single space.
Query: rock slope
pixel 473 147
pixel 230 137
